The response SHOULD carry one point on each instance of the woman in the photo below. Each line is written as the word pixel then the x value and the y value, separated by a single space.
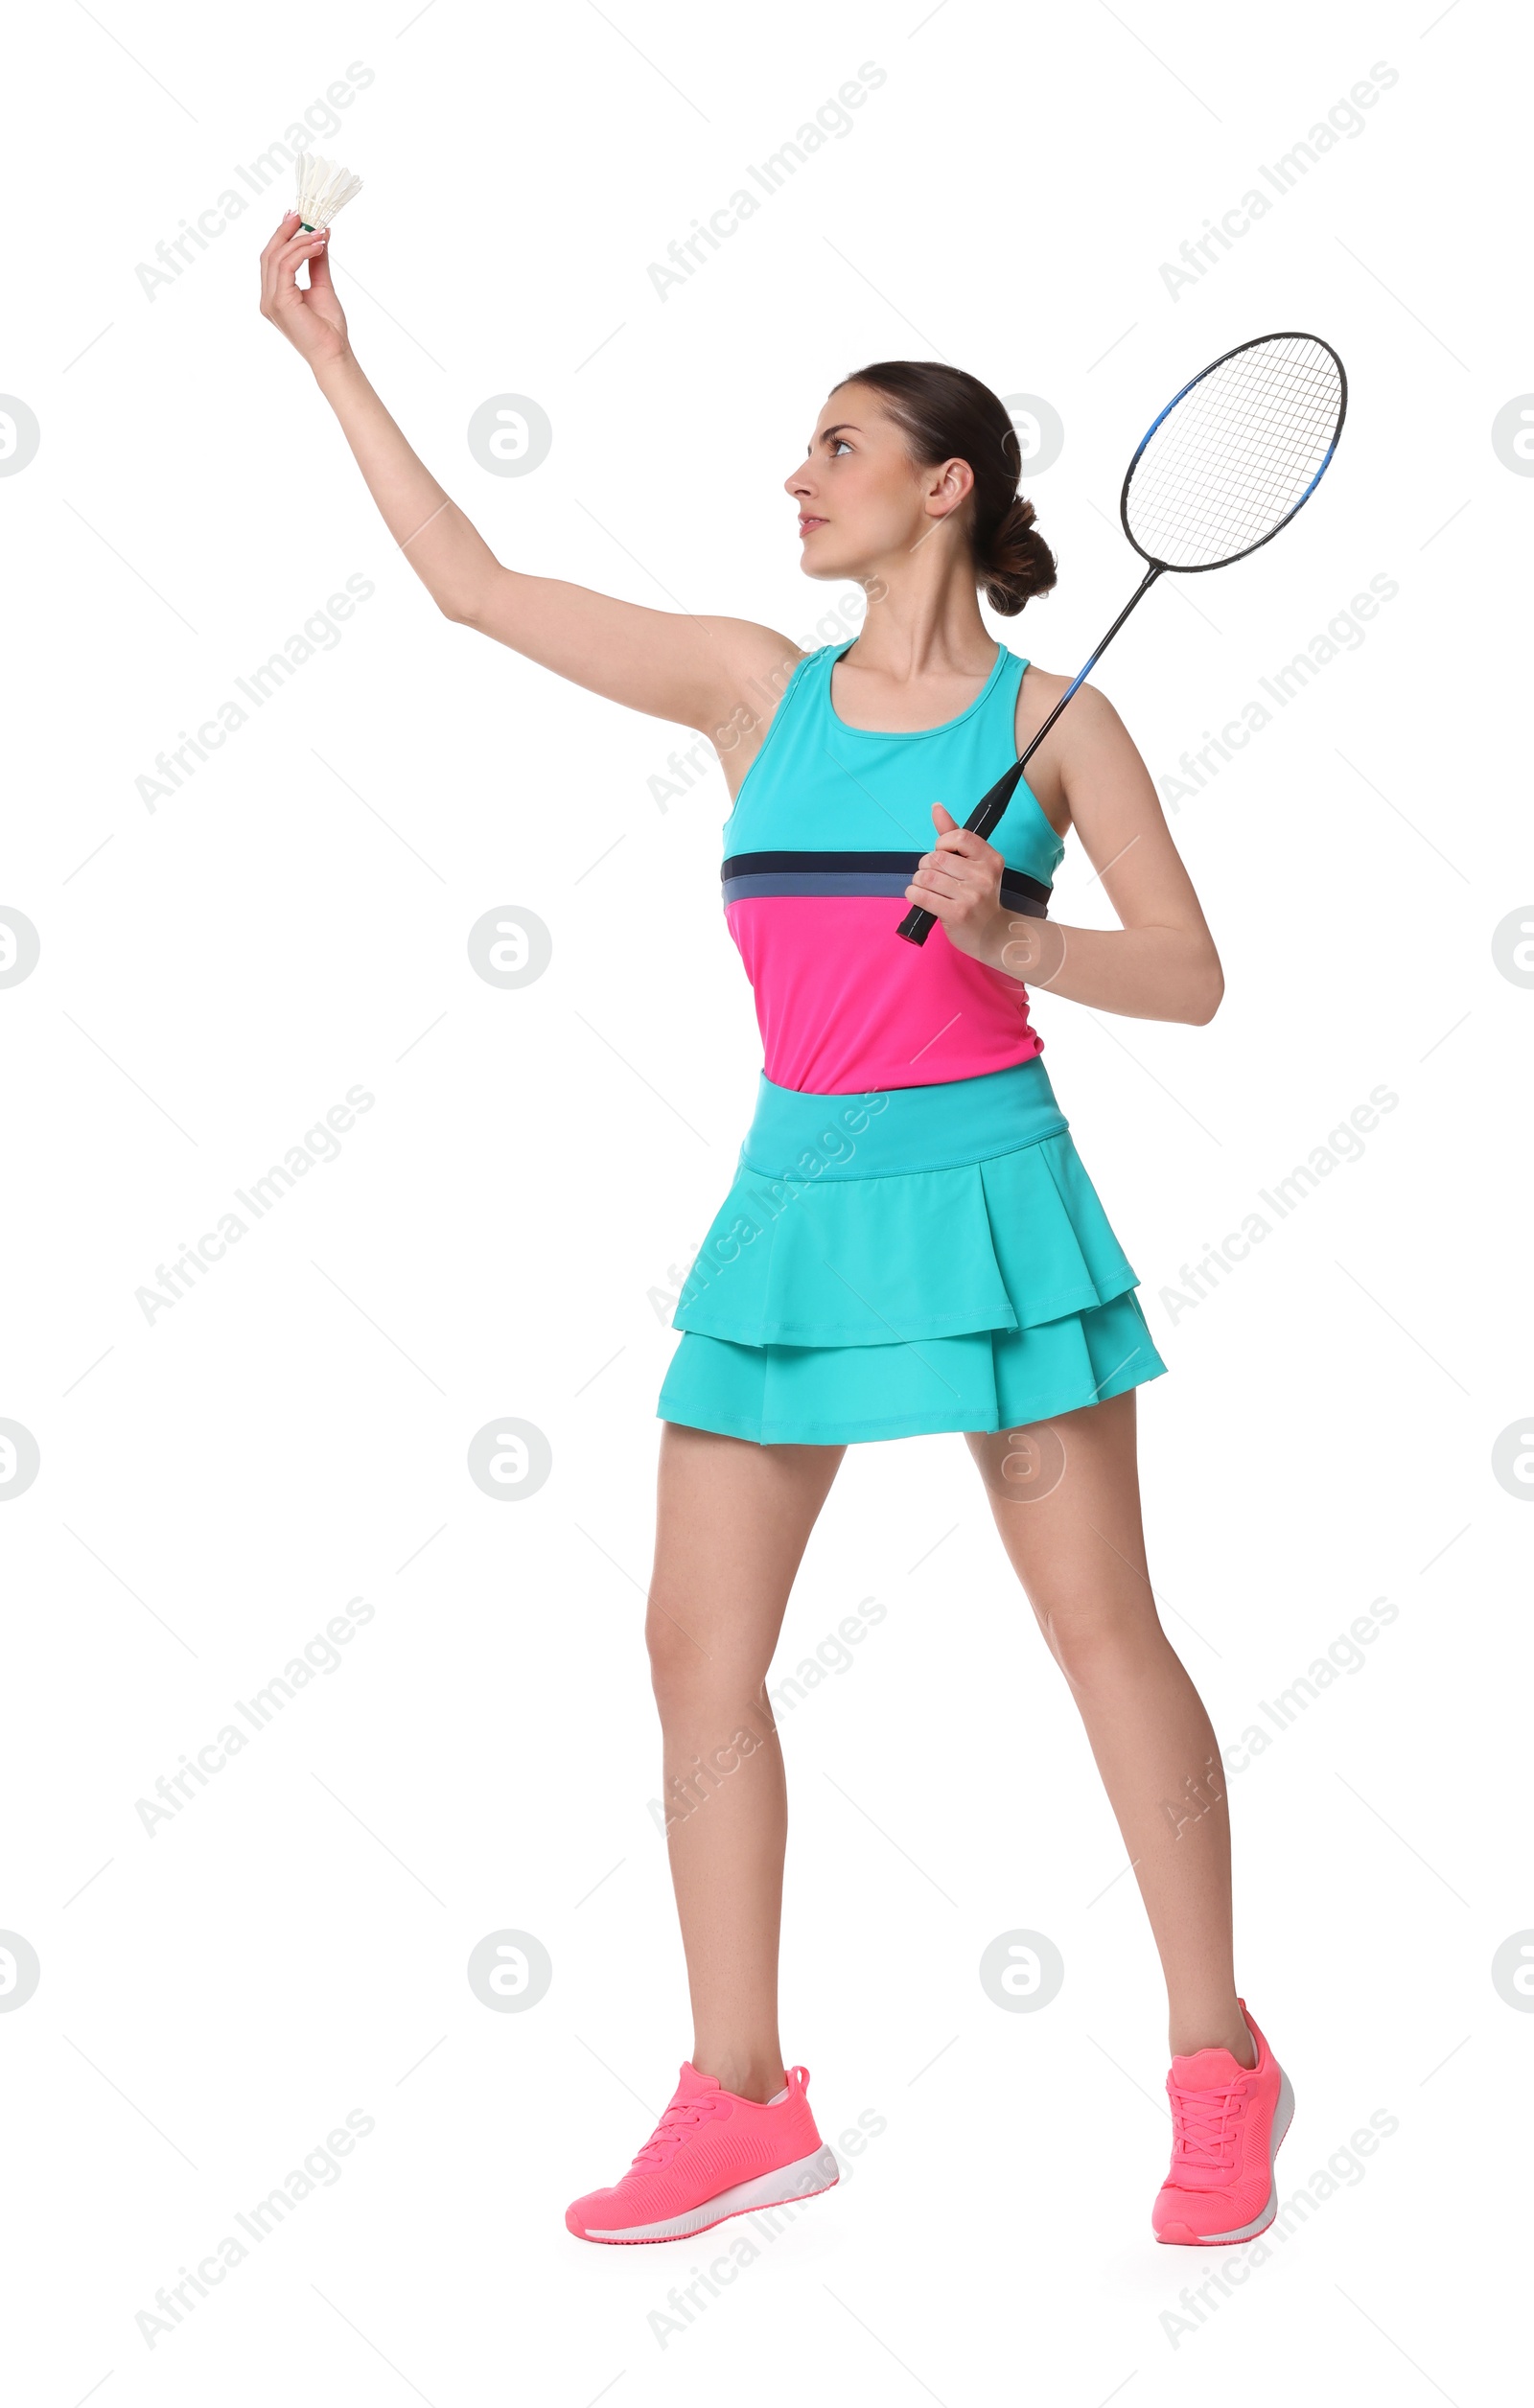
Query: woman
pixel 911 1243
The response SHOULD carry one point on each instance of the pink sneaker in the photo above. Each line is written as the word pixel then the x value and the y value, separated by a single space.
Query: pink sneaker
pixel 710 2156
pixel 1227 2121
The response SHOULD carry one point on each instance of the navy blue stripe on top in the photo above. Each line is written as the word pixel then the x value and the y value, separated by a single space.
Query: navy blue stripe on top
pixel 745 876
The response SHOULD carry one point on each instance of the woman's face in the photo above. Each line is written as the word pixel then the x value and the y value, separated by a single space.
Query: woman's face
pixel 863 503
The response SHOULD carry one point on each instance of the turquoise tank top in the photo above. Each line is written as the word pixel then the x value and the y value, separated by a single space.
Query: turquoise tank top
pixel 822 841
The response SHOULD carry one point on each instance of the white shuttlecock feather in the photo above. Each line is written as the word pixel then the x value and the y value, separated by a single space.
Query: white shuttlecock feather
pixel 323 189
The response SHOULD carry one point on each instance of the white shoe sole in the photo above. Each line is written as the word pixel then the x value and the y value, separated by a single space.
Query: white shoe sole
pixel 799 2180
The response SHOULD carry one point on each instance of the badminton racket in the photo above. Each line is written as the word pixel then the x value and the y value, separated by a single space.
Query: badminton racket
pixel 1228 462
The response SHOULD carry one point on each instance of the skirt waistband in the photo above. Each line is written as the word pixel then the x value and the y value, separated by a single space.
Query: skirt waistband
pixel 895 1130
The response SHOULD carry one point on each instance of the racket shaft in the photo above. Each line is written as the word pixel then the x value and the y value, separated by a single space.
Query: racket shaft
pixel 918 924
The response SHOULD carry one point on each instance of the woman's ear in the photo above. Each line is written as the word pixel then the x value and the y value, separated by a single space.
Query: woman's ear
pixel 950 485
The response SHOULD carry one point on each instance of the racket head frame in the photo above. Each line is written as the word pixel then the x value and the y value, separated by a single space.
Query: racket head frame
pixel 1254 342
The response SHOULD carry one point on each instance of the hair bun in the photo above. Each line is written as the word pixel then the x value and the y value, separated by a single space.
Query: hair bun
pixel 1016 563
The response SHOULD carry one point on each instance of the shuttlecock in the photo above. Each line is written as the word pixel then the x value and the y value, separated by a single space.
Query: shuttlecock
pixel 323 189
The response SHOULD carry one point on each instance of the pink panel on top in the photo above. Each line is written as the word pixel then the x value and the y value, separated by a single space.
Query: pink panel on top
pixel 844 1009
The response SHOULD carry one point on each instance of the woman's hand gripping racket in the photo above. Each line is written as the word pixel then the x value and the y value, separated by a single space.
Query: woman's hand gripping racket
pixel 1229 461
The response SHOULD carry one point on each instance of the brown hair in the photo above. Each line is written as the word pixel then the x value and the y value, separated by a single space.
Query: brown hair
pixel 947 414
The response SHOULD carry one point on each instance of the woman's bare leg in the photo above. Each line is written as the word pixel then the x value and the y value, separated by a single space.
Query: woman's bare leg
pixel 1066 1497
pixel 732 1526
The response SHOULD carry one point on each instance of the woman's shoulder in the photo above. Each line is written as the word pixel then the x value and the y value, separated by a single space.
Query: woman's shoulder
pixel 1041 689
pixel 767 674
pixel 753 667
pixel 1087 731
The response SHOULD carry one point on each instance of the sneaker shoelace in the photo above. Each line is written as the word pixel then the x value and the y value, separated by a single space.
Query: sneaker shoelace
pixel 1204 2127
pixel 679 2117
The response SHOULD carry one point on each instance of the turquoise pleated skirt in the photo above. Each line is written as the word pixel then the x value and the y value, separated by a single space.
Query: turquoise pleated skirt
pixel 889 1264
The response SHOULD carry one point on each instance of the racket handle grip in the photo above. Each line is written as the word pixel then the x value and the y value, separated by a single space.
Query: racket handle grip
pixel 917 925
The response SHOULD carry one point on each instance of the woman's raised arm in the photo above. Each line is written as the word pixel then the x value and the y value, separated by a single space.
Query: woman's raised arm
pixel 719 675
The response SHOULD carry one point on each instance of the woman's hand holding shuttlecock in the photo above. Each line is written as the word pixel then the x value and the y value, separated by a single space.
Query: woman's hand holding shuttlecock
pixel 310 317
pixel 313 321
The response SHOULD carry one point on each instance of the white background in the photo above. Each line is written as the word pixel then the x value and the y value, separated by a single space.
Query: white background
pixel 214 974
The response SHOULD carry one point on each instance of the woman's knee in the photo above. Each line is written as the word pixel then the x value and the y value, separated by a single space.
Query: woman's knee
pixel 1098 1638
pixel 691 1678
pixel 679 1664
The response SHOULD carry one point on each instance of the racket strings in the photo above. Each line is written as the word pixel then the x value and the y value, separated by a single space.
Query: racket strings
pixel 1223 485
pixel 1236 454
pixel 1241 446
